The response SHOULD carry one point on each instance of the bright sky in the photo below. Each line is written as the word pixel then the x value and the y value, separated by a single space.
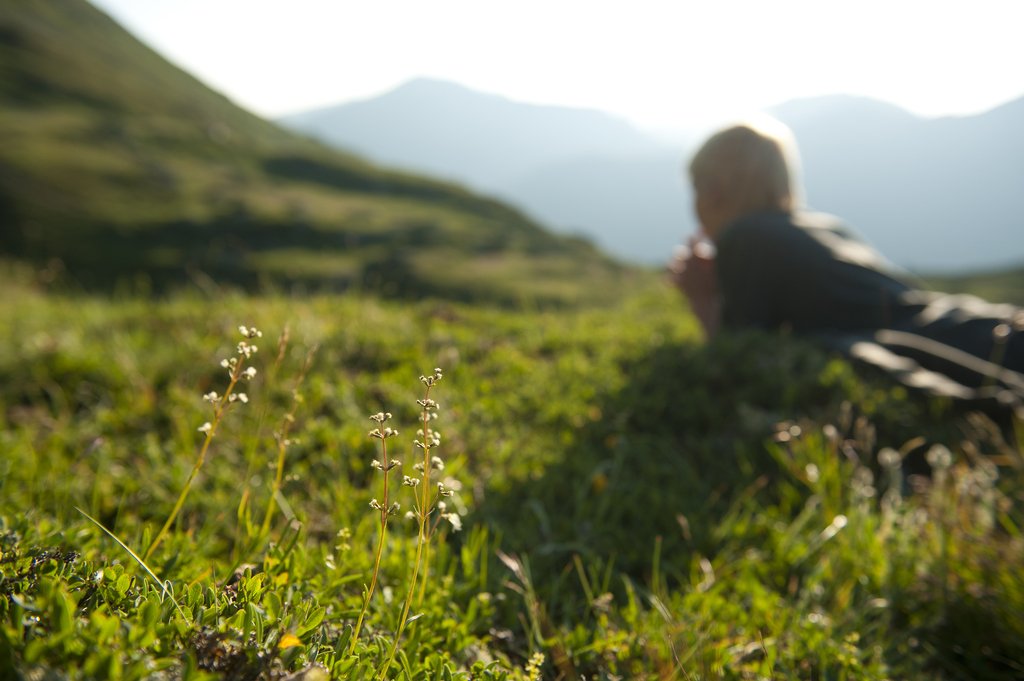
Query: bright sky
pixel 660 63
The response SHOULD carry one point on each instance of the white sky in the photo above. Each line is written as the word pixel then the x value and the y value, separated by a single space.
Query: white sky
pixel 659 63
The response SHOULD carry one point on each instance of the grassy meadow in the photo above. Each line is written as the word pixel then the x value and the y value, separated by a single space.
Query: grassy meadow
pixel 620 499
pixel 1005 285
pixel 524 466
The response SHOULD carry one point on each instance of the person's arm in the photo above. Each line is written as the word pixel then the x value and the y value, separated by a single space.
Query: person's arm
pixel 692 271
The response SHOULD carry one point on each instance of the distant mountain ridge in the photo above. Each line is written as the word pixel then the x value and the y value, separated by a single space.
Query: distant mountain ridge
pixel 580 170
pixel 451 131
pixel 932 194
pixel 122 167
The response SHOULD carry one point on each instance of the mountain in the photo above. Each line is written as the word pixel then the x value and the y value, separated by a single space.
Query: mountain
pixel 579 170
pixel 451 131
pixel 635 206
pixel 932 194
pixel 118 166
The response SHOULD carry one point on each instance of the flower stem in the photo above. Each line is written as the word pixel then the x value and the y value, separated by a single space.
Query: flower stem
pixel 423 535
pixel 218 413
pixel 385 511
pixel 282 436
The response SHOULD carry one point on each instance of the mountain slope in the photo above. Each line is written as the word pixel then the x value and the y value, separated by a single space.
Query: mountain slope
pixel 449 130
pixel 931 194
pixel 581 171
pixel 118 164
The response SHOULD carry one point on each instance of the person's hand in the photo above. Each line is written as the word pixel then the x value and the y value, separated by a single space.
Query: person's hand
pixel 692 271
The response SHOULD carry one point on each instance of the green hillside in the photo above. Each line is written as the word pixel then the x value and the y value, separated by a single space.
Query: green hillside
pixel 120 167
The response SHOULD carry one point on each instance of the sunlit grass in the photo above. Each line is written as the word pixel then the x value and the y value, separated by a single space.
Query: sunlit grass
pixel 634 504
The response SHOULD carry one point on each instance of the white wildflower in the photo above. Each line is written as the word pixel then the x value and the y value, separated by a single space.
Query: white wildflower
pixel 455 519
pixel 246 350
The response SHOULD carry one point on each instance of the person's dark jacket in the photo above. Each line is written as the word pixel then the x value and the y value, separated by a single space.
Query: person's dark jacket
pixel 810 274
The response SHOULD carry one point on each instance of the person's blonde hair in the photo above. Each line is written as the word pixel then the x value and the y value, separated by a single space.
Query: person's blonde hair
pixel 753 164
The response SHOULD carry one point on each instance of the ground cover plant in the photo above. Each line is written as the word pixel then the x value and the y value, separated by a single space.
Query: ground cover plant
pixel 601 495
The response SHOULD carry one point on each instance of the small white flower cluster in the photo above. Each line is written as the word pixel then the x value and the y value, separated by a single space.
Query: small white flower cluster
pixel 431 439
pixel 429 408
pixel 283 440
pixel 429 381
pixel 436 464
pixel 231 364
pixel 344 535
pixel 235 370
pixel 428 439
pixel 246 349
pixel 939 458
pixel 382 433
pixel 452 517
pixel 455 519
pixel 392 510
pixel 889 458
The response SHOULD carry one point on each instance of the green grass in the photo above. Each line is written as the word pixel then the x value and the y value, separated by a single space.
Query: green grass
pixel 999 286
pixel 635 504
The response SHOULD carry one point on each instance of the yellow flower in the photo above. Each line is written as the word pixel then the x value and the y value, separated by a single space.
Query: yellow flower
pixel 288 641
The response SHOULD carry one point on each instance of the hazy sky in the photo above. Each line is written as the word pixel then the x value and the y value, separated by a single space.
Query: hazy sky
pixel 658 63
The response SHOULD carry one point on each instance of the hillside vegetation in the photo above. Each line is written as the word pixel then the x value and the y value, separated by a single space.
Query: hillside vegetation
pixel 999 285
pixel 119 169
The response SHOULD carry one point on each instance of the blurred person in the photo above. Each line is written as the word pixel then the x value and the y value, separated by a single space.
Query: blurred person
pixel 760 260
